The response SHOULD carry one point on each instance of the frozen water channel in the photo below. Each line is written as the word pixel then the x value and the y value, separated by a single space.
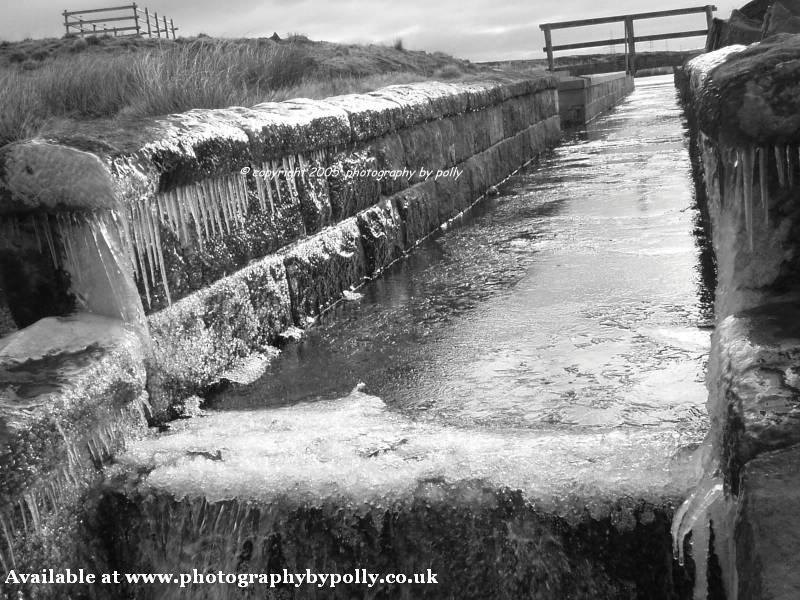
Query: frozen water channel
pixel 552 341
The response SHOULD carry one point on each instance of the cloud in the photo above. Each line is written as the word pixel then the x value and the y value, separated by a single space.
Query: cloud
pixel 475 29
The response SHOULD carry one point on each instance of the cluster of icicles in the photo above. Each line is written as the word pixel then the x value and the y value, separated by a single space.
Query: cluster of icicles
pixel 707 506
pixel 197 212
pixel 48 496
pixel 744 163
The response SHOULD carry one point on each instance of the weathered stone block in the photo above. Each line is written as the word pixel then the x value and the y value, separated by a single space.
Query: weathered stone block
pixel 370 115
pixel 381 236
pixel 447 99
pixel 277 129
pixel 418 208
pixel 416 105
pixel 767 536
pixel 389 157
pixel 754 384
pixel 422 146
pixel 321 267
pixel 353 183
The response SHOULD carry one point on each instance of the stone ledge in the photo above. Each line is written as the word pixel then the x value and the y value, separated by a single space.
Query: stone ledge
pixel 754 376
pixel 767 534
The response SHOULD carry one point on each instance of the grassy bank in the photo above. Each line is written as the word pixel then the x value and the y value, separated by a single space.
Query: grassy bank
pixel 44 82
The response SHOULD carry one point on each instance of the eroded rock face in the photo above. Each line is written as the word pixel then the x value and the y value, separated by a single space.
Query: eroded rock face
pixel 751 97
pixel 742 104
pixel 768 541
pixel 71 393
pixel 754 380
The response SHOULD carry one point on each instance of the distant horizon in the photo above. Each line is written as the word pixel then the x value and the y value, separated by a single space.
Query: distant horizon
pixel 479 30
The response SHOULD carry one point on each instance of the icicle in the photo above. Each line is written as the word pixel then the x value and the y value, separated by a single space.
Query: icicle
pixel 34 510
pixel 695 508
pixel 161 265
pixel 227 215
pixel 203 191
pixel 780 157
pixel 125 228
pixel 9 541
pixel 150 238
pixel 277 182
pixel 262 199
pixel 35 223
pixel 241 195
pixel 215 207
pixel 789 166
pixel 191 205
pixel 268 184
pixel 763 182
pixel 48 236
pixel 748 166
pixel 138 247
pixel 165 208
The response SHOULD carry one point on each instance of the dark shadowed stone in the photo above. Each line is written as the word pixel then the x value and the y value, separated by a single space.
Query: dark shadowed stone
pixel 313 192
pixel 352 184
pixel 449 199
pixel 783 17
pixel 423 149
pixel 389 156
pixel 767 531
pixel 753 97
pixel 381 236
pixel 418 207
pixel 756 9
pixel 321 267
pixel 463 136
pixel 754 401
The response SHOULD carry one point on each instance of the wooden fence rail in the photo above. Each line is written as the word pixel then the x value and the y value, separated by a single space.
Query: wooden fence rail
pixel 140 22
pixel 630 38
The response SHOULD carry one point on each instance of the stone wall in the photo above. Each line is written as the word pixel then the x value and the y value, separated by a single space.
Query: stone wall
pixel 583 99
pixel 216 230
pixel 188 243
pixel 742 106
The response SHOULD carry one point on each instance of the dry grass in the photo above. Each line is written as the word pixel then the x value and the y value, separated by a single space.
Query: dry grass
pixel 47 82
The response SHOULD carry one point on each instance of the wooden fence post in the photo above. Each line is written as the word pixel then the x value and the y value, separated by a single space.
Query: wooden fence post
pixel 710 16
pixel 135 18
pixel 548 42
pixel 147 18
pixel 166 31
pixel 631 36
pixel 66 21
pixel 172 27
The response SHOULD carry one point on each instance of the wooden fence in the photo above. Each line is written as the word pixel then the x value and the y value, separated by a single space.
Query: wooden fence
pixel 630 38
pixel 127 20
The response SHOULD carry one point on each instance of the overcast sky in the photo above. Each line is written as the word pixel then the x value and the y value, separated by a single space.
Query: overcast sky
pixel 473 29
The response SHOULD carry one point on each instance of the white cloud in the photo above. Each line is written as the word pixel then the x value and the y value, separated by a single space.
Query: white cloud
pixel 476 29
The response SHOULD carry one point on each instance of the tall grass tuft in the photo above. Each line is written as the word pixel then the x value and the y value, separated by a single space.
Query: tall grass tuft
pixel 96 78
pixel 200 74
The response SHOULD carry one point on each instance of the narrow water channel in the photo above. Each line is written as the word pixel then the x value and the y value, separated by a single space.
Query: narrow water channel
pixel 514 404
pixel 574 299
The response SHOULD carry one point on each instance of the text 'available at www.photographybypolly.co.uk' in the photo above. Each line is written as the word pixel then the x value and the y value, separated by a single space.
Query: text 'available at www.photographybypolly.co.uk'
pixel 243 580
